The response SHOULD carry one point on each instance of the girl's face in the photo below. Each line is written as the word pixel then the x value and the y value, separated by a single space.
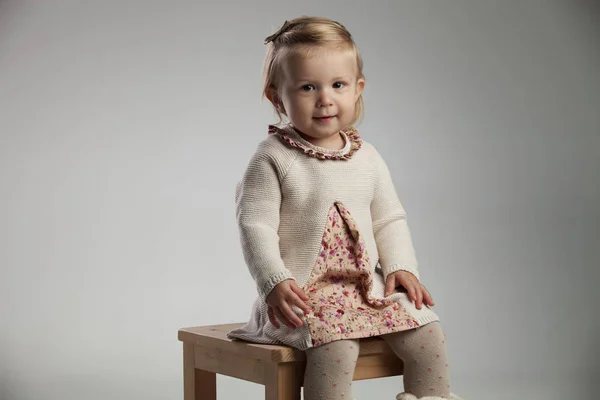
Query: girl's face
pixel 319 92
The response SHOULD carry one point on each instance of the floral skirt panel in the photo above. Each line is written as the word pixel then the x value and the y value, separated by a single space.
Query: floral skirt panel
pixel 340 286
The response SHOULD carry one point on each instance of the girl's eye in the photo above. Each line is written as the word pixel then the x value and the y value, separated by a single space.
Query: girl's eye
pixel 339 85
pixel 307 88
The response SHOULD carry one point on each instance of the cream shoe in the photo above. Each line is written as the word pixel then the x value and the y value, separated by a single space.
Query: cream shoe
pixel 408 396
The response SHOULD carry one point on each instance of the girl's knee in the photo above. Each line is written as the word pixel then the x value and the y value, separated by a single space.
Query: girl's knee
pixel 339 349
pixel 428 339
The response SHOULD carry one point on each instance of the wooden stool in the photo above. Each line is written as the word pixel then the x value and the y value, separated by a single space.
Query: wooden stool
pixel 207 352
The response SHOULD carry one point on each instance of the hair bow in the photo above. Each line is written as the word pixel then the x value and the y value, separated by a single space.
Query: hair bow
pixel 286 26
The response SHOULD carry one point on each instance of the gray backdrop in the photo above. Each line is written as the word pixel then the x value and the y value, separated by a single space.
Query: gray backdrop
pixel 125 125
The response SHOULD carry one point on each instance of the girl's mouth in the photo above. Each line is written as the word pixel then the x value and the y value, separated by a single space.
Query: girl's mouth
pixel 325 119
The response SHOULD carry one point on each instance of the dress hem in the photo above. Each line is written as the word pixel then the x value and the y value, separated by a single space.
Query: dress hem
pixel 308 343
pixel 424 320
pixel 377 331
pixel 305 344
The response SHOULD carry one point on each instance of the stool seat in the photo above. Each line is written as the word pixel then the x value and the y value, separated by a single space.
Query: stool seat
pixel 207 351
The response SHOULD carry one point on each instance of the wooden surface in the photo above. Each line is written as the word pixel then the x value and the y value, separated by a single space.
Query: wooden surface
pixel 207 351
pixel 215 337
pixel 284 381
pixel 198 384
pixel 230 364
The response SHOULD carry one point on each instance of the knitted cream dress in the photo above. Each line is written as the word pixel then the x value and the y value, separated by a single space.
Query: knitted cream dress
pixel 344 287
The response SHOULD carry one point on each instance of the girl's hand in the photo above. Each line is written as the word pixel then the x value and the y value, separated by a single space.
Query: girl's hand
pixel 280 301
pixel 416 291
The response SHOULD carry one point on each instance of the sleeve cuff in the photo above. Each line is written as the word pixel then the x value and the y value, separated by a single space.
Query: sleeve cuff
pixel 273 281
pixel 399 267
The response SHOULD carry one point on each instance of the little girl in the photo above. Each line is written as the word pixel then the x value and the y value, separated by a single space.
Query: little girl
pixel 322 230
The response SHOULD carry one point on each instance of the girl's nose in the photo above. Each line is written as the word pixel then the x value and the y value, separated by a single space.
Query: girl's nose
pixel 324 99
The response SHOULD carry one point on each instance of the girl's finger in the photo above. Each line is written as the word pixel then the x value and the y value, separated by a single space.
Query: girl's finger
pixel 297 301
pixel 427 297
pixel 390 284
pixel 419 294
pixel 290 315
pixel 411 292
pixel 281 317
pixel 299 292
pixel 272 318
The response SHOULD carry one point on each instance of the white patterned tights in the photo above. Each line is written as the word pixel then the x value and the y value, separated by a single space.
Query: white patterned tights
pixel 330 367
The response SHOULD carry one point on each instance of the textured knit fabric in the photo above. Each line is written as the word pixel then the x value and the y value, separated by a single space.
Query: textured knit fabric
pixel 282 206
pixel 423 352
pixel 330 367
pixel 339 288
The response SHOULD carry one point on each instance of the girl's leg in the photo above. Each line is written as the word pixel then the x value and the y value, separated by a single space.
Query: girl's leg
pixel 423 351
pixel 329 370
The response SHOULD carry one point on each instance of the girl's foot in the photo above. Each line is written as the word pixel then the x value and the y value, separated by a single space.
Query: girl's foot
pixel 408 396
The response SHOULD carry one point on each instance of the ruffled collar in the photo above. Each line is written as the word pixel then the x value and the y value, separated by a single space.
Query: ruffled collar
pixel 291 137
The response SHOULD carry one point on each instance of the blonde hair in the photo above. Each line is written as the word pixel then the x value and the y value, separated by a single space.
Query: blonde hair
pixel 301 36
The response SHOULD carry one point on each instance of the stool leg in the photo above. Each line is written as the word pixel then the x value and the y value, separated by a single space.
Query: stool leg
pixel 283 382
pixel 197 384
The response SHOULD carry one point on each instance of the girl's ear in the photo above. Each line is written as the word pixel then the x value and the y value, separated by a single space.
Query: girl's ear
pixel 275 100
pixel 271 94
pixel 360 86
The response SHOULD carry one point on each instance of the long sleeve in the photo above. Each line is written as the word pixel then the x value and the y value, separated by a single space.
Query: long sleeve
pixel 258 201
pixel 390 227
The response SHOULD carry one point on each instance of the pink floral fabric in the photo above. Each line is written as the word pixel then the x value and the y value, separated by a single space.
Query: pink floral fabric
pixel 339 288
pixel 351 133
